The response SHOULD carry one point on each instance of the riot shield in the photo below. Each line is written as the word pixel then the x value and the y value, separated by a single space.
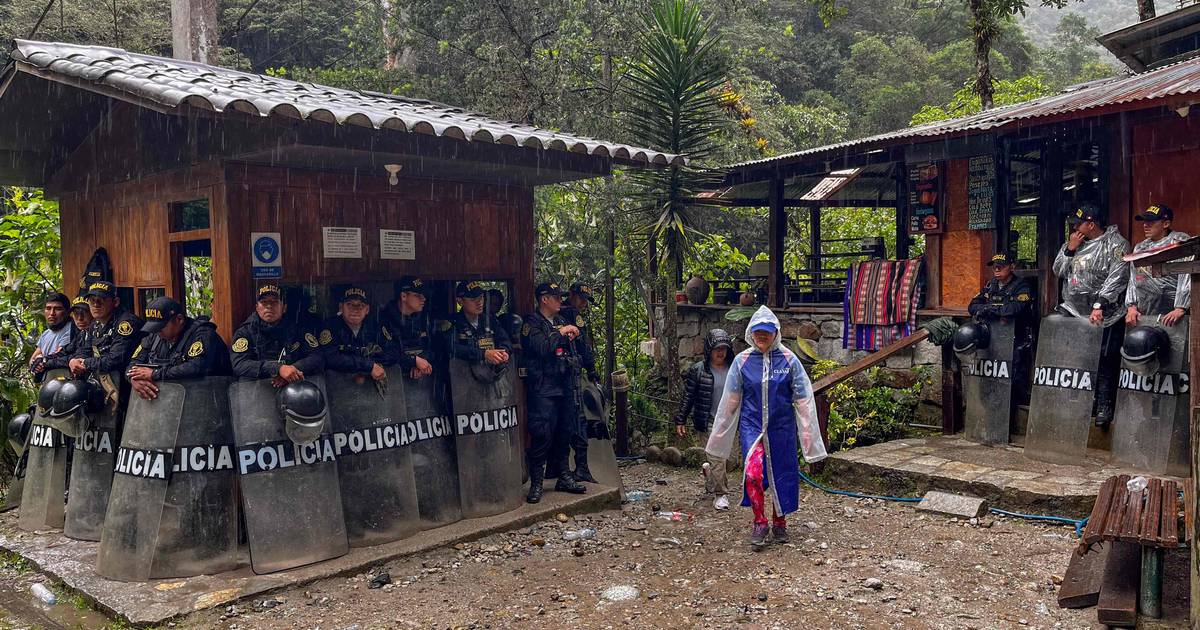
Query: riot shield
pixel 290 494
pixel 43 502
pixel 602 456
pixel 1064 384
pixel 1150 426
pixel 987 385
pixel 92 471
pixel 132 524
pixel 487 441
pixel 374 462
pixel 12 498
pixel 435 466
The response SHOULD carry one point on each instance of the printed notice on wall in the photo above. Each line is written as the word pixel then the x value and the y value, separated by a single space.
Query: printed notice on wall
pixel 981 192
pixel 342 242
pixel 397 245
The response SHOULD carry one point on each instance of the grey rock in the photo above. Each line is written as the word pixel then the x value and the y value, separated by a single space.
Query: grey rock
pixel 874 584
pixel 952 504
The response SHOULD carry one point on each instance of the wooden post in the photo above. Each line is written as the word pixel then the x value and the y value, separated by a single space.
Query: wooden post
pixel 1150 594
pixel 620 384
pixel 776 291
pixel 902 238
pixel 194 31
pixel 1190 495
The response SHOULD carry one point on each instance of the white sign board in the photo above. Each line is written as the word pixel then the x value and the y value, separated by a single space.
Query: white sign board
pixel 342 242
pixel 266 257
pixel 397 245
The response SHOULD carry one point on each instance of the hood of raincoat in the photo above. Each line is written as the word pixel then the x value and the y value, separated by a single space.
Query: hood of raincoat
pixel 763 314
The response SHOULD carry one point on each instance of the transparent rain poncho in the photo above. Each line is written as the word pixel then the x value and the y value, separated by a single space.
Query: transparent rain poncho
pixel 1158 295
pixel 769 398
pixel 1095 272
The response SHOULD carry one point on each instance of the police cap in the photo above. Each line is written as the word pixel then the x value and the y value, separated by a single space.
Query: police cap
pixel 583 290
pixel 160 311
pixel 1157 212
pixel 468 289
pixel 1082 214
pixel 411 284
pixel 547 288
pixel 267 290
pixel 1000 260
pixel 355 292
pixel 80 302
pixel 101 288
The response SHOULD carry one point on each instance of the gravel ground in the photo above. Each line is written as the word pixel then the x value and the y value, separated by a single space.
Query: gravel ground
pixel 851 563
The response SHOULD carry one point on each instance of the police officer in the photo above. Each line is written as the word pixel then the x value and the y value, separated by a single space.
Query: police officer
pixel 552 368
pixel 81 313
pixel 476 337
pixel 406 320
pixel 1095 274
pixel 1007 297
pixel 356 343
pixel 268 347
pixel 575 311
pixel 175 347
pixel 107 344
pixel 1168 297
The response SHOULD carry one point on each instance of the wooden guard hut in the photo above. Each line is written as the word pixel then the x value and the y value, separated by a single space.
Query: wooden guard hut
pixel 161 160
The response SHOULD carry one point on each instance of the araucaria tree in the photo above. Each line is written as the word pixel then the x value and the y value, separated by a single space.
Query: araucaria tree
pixel 673 88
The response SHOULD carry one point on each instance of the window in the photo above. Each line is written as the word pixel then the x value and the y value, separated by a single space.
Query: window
pixel 145 295
pixel 189 215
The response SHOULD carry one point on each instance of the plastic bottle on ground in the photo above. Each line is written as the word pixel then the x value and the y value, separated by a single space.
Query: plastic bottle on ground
pixel 586 533
pixel 46 595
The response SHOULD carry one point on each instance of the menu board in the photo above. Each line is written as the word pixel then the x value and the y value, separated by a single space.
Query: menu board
pixel 924 199
pixel 981 192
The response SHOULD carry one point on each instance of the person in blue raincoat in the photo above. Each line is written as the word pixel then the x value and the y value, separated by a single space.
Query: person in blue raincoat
pixel 768 398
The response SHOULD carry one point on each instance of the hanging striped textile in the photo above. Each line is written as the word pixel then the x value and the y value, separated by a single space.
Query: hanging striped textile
pixel 881 301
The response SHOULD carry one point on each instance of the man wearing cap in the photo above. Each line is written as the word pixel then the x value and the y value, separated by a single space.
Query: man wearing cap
pixel 58 333
pixel 355 343
pixel 406 320
pixel 1008 297
pixel 268 347
pixel 107 344
pixel 1091 264
pixel 1167 297
pixel 81 314
pixel 476 337
pixel 552 367
pixel 575 312
pixel 175 347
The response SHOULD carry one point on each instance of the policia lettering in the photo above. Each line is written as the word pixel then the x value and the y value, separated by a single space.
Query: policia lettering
pixel 1160 383
pixel 486 421
pixel 161 464
pixel 990 368
pixel 264 456
pixel 1066 378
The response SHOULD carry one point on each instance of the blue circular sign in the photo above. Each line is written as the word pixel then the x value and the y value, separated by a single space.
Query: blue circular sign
pixel 266 249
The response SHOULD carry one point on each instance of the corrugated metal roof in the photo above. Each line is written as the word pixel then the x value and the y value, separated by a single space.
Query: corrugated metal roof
pixel 172 83
pixel 1174 80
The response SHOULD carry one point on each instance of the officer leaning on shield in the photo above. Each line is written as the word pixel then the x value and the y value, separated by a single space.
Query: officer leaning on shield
pixel 267 346
pixel 1167 297
pixel 175 347
pixel 1008 297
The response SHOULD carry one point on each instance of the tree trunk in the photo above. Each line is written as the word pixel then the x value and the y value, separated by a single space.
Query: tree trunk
pixel 669 335
pixel 982 29
pixel 1146 10
pixel 389 35
pixel 194 31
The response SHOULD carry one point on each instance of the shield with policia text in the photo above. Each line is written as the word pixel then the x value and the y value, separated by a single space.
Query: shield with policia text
pixel 1064 387
pixel 435 466
pixel 1150 426
pixel 92 463
pixel 172 511
pixel 488 438
pixel 601 455
pixel 290 493
pixel 379 495
pixel 43 494
pixel 987 385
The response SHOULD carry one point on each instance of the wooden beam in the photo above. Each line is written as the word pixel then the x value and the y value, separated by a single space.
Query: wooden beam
pixel 1118 593
pixel 778 236
pixel 829 380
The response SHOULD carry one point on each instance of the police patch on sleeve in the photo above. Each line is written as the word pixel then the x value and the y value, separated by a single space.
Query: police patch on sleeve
pixel 124 329
pixel 387 334
pixel 579 322
pixel 196 350
pixel 444 325
pixel 1023 297
pixel 137 351
pixel 326 337
pixel 241 344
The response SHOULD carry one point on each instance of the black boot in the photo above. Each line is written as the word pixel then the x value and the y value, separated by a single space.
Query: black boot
pixel 535 485
pixel 1104 415
pixel 581 472
pixel 567 483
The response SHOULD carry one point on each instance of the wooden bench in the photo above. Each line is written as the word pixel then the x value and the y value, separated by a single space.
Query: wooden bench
pixel 1125 523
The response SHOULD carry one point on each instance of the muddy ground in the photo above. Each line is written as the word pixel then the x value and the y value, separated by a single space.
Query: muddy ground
pixel 851 563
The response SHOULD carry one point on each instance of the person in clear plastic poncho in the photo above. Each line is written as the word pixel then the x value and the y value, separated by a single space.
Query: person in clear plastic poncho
pixel 1166 298
pixel 768 399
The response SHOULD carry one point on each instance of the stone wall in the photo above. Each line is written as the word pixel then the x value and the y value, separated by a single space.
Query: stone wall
pixel 823 328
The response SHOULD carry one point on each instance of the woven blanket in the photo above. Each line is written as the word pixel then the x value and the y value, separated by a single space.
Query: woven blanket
pixel 881 301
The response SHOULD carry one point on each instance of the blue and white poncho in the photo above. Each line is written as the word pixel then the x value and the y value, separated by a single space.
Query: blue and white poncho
pixel 769 397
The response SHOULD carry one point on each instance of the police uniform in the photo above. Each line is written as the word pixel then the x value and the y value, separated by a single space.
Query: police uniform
pixel 198 351
pixel 105 346
pixel 259 349
pixel 415 332
pixel 551 365
pixel 1014 302
pixel 1152 295
pixel 469 341
pixel 585 348
pixel 357 352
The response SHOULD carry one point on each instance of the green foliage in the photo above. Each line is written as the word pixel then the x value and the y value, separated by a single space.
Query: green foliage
pixel 865 411
pixel 966 101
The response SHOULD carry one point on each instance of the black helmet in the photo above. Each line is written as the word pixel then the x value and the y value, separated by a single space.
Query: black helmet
pixel 971 336
pixel 46 395
pixel 716 338
pixel 18 430
pixel 71 397
pixel 302 406
pixel 1145 348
